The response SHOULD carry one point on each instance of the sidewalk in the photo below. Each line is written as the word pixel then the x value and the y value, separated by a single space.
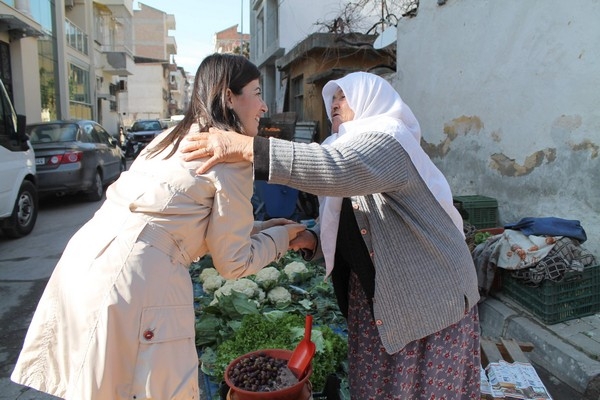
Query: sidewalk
pixel 568 350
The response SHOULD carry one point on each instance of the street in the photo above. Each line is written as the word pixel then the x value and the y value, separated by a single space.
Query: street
pixel 25 266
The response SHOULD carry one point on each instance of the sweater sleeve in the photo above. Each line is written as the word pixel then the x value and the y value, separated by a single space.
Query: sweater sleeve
pixel 372 162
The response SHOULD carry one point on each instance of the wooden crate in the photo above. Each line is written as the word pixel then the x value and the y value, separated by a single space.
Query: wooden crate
pixel 510 350
pixel 511 375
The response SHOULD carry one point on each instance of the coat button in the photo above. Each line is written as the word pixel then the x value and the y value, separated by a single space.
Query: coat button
pixel 148 334
pixel 379 322
pixel 363 231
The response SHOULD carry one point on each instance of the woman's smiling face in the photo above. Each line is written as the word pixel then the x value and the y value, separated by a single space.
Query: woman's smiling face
pixel 249 107
pixel 340 111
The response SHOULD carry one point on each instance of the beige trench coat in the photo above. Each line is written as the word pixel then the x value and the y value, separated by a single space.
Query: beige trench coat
pixel 116 320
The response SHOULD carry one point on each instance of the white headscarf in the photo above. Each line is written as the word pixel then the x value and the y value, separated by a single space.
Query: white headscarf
pixel 378 108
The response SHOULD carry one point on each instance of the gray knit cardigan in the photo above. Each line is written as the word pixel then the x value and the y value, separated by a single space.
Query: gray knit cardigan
pixel 425 278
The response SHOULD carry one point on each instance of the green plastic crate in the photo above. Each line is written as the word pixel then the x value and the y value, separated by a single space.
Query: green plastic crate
pixel 480 211
pixel 577 295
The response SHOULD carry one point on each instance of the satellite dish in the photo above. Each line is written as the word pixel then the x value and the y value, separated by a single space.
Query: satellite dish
pixel 387 37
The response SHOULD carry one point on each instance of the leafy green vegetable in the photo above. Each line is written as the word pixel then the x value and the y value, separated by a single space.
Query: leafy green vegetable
pixel 481 237
pixel 280 332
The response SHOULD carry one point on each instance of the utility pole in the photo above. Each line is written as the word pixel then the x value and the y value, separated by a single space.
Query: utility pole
pixel 242 29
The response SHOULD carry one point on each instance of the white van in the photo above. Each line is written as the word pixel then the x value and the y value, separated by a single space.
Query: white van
pixel 18 184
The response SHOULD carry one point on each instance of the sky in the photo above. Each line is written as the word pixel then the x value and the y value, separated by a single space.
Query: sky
pixel 196 22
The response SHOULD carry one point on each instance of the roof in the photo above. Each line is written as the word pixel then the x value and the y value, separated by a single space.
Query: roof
pixel 322 41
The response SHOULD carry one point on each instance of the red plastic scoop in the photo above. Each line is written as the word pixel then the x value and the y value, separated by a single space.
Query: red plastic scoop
pixel 304 352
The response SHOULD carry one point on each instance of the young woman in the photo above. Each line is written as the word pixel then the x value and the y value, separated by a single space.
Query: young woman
pixel 116 320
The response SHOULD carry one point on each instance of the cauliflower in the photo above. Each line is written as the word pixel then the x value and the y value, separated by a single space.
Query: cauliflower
pixel 296 271
pixel 242 285
pixel 267 277
pixel 206 272
pixel 279 296
pixel 212 283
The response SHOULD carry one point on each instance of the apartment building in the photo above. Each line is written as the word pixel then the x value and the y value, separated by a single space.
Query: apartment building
pixel 231 41
pixel 97 59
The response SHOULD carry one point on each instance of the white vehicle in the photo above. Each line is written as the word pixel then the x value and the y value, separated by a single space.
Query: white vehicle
pixel 18 182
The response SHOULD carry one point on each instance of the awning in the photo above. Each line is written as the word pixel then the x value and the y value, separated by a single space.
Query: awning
pixel 18 25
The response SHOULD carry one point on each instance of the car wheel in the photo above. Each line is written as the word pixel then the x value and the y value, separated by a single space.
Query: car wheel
pixel 25 211
pixel 97 190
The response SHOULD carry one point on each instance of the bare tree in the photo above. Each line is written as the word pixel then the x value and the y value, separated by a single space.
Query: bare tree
pixel 350 19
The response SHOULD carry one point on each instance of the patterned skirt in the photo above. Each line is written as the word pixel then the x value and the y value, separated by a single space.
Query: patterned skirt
pixel 444 365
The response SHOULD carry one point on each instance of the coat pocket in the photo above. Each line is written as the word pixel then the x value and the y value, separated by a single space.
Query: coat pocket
pixel 163 324
pixel 167 362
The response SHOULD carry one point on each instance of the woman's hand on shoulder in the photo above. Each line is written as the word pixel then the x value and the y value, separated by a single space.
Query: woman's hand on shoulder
pixel 221 146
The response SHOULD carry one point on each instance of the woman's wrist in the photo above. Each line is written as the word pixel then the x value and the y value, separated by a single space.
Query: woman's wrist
pixel 309 254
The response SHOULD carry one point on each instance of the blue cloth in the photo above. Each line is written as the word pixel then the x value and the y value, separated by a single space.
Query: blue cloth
pixel 279 200
pixel 551 226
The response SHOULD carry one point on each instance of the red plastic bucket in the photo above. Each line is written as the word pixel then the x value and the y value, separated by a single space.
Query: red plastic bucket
pixel 294 392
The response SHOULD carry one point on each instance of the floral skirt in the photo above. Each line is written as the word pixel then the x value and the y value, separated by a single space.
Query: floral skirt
pixel 444 365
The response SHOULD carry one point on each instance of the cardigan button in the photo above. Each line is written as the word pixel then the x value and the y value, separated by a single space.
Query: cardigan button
pixel 371 254
pixel 355 206
pixel 379 322
pixel 363 231
pixel 148 335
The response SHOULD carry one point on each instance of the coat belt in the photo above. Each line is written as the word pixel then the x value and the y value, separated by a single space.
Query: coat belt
pixel 162 240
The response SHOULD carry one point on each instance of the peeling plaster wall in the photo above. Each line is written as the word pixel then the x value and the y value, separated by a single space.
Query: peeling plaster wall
pixel 508 97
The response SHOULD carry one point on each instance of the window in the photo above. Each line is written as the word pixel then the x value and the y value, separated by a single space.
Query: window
pixel 297 92
pixel 102 134
pixel 260 32
pixel 76 38
pixel 79 93
pixel 272 24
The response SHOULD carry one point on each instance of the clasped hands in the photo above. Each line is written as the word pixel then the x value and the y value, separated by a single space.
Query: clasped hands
pixel 299 237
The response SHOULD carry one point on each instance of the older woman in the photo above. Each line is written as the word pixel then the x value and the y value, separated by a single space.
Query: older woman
pixel 390 237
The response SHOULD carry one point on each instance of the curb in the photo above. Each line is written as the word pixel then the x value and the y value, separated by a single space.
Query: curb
pixel 563 360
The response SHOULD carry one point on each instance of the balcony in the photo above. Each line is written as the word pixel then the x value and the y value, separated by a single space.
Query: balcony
pixel 76 38
pixel 171 45
pixel 18 24
pixel 118 63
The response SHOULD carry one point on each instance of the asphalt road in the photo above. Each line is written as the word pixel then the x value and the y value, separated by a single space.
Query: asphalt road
pixel 25 266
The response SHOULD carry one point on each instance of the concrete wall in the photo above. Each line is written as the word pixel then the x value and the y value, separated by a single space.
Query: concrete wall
pixel 145 93
pixel 297 19
pixel 26 78
pixel 507 97
pixel 150 33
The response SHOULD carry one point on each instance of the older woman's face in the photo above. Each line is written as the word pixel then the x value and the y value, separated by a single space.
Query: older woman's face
pixel 340 111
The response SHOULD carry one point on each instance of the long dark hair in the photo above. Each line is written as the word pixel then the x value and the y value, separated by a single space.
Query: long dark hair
pixel 208 105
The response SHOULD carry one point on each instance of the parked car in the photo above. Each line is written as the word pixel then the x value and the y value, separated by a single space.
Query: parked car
pixel 75 156
pixel 18 181
pixel 142 132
